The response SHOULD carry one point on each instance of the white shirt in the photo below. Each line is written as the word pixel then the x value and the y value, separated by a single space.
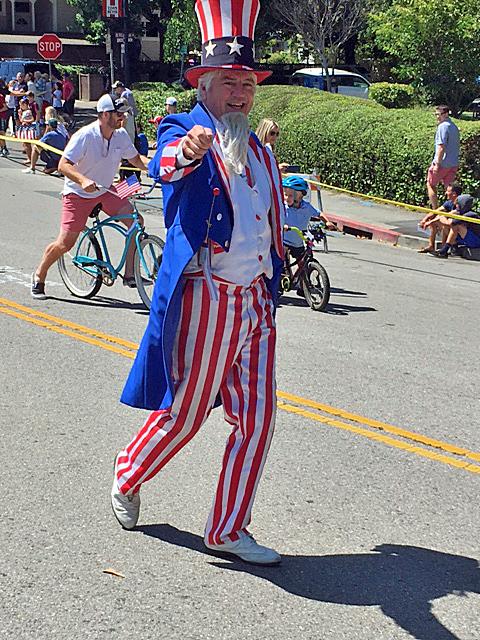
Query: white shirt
pixel 249 254
pixel 96 158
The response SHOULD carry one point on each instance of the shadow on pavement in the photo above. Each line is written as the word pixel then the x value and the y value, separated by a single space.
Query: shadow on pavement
pixel 333 308
pixel 100 301
pixel 346 292
pixel 400 579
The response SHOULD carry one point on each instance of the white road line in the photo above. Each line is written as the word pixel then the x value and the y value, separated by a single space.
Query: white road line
pixel 11 275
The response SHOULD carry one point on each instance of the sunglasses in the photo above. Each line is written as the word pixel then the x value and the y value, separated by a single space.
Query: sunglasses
pixel 274 133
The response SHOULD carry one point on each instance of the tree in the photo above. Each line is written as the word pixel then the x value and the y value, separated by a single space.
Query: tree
pixel 325 25
pixel 436 45
pixel 94 27
pixel 181 29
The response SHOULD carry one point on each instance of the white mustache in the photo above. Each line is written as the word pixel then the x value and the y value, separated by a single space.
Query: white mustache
pixel 234 141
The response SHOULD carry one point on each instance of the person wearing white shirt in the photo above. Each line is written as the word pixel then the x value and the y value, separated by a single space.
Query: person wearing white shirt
pixel 89 164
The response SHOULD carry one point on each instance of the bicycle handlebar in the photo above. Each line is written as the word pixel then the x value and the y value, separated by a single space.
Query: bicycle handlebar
pixel 298 231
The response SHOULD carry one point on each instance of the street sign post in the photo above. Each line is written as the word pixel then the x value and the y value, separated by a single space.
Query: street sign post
pixel 50 47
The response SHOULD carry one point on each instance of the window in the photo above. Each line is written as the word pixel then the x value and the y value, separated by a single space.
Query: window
pixel 22 7
pixel 3 7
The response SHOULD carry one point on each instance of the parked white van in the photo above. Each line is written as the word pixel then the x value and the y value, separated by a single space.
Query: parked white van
pixel 343 82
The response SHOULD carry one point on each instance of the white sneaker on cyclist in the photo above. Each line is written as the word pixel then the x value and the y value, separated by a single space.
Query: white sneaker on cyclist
pixel 126 509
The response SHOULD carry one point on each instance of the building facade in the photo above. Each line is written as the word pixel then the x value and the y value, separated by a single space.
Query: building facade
pixel 36 17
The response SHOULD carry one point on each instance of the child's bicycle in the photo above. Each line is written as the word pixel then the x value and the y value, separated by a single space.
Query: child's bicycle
pixel 88 265
pixel 309 278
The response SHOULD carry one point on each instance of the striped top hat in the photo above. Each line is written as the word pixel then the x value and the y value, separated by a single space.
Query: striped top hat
pixel 227 28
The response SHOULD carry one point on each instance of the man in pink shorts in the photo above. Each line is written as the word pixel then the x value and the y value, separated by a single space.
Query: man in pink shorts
pixel 444 165
pixel 89 164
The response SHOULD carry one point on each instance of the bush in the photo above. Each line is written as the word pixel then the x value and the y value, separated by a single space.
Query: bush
pixel 151 100
pixel 150 86
pixel 360 145
pixel 391 95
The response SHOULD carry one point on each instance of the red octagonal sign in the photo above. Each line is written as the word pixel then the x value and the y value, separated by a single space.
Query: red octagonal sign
pixel 49 46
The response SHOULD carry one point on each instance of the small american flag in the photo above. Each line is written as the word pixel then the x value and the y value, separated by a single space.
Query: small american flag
pixel 128 187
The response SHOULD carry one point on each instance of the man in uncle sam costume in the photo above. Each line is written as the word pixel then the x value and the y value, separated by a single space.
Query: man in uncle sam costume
pixel 211 334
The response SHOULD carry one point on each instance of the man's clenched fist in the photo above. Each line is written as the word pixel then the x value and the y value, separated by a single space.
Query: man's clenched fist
pixel 197 142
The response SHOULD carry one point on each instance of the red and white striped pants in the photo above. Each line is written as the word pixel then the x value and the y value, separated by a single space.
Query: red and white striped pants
pixel 228 347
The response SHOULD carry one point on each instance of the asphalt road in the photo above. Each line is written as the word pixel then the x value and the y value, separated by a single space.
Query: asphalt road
pixel 371 490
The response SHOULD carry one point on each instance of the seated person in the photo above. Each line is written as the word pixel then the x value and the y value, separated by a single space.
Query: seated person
pixel 53 138
pixel 433 221
pixel 466 234
pixel 298 213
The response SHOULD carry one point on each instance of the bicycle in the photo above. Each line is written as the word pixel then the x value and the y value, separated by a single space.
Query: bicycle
pixel 310 276
pixel 88 265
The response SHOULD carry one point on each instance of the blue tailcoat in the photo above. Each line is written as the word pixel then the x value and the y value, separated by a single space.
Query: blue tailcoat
pixel 186 206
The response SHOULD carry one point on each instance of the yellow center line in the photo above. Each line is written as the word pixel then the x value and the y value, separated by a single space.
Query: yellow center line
pixel 128 349
pixel 66 332
pixel 432 455
pixel 382 426
pixel 70 325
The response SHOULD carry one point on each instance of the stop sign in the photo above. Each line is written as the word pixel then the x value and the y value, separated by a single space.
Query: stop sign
pixel 49 46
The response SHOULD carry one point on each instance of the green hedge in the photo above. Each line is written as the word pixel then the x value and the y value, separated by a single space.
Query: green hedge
pixel 359 145
pixel 392 95
pixel 150 99
pixel 355 144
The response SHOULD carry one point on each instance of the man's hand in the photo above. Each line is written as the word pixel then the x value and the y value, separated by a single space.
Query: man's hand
pixel 88 185
pixel 197 142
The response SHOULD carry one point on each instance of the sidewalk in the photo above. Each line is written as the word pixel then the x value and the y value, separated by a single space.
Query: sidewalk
pixel 372 220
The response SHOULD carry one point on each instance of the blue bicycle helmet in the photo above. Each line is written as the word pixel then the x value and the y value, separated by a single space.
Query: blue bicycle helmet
pixel 296 183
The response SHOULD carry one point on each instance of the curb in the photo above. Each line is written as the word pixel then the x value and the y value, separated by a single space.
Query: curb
pixel 364 229
pixel 375 232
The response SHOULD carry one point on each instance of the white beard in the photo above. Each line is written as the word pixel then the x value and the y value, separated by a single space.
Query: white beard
pixel 234 141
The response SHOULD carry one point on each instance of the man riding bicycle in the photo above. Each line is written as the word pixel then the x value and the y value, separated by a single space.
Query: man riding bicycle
pixel 298 213
pixel 89 164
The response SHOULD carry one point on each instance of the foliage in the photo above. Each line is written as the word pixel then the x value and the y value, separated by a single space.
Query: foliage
pixel 90 21
pixel 359 145
pixel 151 101
pixel 152 86
pixel 182 29
pixel 75 69
pixel 281 50
pixel 392 95
pixel 436 44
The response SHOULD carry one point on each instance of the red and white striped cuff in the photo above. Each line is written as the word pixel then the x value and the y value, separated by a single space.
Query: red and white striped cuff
pixel 169 169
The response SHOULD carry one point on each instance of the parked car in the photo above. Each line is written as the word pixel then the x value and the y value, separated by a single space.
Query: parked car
pixel 346 83
pixel 10 67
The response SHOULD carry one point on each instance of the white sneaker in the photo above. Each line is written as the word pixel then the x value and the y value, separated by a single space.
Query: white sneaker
pixel 248 550
pixel 126 509
pixel 28 170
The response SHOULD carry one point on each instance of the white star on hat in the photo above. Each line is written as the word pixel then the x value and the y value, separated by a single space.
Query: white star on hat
pixel 235 46
pixel 209 48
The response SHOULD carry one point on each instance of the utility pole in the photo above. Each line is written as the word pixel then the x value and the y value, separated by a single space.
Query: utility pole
pixel 126 70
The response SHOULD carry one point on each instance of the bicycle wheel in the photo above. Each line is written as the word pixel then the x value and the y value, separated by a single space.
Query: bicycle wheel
pixel 146 265
pixel 78 280
pixel 316 286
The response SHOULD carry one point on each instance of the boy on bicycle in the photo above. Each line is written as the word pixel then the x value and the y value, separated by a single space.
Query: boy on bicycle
pixel 298 213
